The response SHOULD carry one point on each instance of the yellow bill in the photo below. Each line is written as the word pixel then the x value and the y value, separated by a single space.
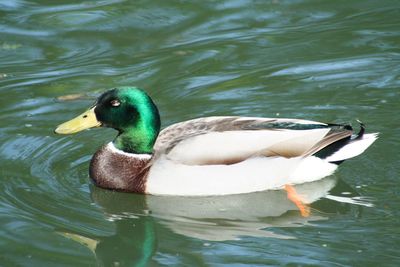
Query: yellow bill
pixel 84 121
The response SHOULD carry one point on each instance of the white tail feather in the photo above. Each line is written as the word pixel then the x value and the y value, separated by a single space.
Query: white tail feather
pixel 353 148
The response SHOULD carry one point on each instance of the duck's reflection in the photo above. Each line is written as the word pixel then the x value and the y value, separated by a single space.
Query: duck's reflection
pixel 229 217
pixel 134 241
pixel 218 218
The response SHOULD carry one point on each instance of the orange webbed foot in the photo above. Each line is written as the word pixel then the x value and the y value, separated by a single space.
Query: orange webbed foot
pixel 297 200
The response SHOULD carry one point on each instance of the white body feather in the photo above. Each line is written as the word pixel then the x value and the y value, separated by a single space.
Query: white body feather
pixel 167 177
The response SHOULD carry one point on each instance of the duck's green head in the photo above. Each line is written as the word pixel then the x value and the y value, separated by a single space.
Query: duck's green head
pixel 130 111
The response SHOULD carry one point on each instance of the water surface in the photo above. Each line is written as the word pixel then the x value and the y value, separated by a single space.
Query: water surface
pixel 333 61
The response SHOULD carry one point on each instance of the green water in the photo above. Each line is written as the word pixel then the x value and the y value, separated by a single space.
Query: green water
pixel 334 61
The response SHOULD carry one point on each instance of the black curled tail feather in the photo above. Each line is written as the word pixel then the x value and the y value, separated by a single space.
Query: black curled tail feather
pixel 358 136
pixel 336 146
pixel 361 132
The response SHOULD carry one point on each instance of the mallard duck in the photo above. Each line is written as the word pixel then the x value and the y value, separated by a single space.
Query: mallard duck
pixel 210 155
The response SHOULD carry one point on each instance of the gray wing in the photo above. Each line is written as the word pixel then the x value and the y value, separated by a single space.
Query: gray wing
pixel 227 140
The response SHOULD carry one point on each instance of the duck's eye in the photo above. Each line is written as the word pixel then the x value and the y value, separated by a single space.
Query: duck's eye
pixel 115 103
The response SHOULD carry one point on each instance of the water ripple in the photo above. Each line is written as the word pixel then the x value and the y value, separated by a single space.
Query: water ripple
pixel 325 61
pixel 328 66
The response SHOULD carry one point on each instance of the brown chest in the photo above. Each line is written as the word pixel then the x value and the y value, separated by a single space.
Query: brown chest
pixel 119 171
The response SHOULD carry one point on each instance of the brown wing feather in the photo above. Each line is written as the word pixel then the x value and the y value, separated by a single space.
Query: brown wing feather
pixel 333 136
